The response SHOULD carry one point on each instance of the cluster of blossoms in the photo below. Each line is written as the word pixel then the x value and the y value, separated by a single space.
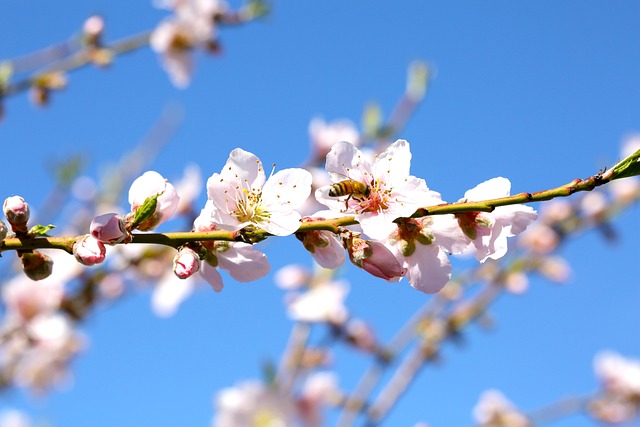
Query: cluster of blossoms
pixel 619 399
pixel 377 191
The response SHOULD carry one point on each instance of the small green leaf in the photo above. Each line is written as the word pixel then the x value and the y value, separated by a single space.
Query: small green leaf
pixel 627 167
pixel 257 8
pixel 41 230
pixel 146 210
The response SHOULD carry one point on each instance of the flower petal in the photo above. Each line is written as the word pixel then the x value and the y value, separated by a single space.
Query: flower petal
pixel 244 263
pixel 212 276
pixel 393 165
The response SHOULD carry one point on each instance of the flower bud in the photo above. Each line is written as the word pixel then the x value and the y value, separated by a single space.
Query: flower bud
pixel 109 228
pixel 36 265
pixel 374 258
pixel 17 212
pixel 185 263
pixel 3 230
pixel 89 251
pixel 153 200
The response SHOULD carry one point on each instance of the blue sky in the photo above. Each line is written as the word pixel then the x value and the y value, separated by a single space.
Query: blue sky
pixel 540 92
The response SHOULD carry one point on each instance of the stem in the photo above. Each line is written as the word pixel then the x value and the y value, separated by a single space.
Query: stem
pixel 334 225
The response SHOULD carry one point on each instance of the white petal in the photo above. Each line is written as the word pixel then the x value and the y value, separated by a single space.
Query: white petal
pixel 212 276
pixel 281 223
pixel 393 165
pixel 377 225
pixel 286 189
pixel 429 268
pixel 243 171
pixel 244 263
pixel 491 189
pixel 516 217
pixel 449 235
pixel 331 256
pixel 345 161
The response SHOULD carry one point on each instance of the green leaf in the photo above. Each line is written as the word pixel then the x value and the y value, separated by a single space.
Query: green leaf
pixel 627 167
pixel 257 8
pixel 41 230
pixel 146 210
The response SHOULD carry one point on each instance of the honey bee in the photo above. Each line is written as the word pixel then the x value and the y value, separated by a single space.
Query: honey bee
pixel 351 188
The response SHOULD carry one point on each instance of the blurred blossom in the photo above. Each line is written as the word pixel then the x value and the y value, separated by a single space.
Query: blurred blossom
pixel 93 26
pixel 556 210
pixel 617 373
pixel 24 299
pixel 619 401
pixel 325 135
pixel 593 203
pixel 516 282
pixel 111 286
pixel 630 145
pixel 360 334
pixel 324 302
pixel 252 404
pixel 624 190
pixel 84 188
pixel 292 276
pixel 539 238
pixel 53 344
pixel 152 184
pixel 189 188
pixel 169 293
pixel 319 390
pixel 89 251
pixel 14 418
pixel 193 25
pixel 494 410
pixel 555 268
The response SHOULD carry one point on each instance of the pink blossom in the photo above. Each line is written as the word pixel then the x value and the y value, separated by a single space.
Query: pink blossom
pixel 374 257
pixel 325 135
pixel 240 196
pixel 185 263
pixel 36 265
pixel 243 263
pixel 89 251
pixel 109 228
pixel 324 246
pixel 486 232
pixel 323 302
pixel 495 410
pixel 153 185
pixel 392 191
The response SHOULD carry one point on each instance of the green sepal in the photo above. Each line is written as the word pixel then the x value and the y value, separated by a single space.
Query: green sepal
pixel 146 210
pixel 211 259
pixel 407 247
pixel 627 167
pixel 425 237
pixel 41 230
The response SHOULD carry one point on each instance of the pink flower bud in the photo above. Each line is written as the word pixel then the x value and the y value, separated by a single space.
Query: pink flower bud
pixel 89 251
pixel 152 184
pixel 17 212
pixel 185 263
pixel 374 258
pixel 108 228
pixel 36 265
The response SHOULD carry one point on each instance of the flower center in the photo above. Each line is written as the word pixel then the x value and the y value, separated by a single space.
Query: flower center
pixel 378 199
pixel 249 206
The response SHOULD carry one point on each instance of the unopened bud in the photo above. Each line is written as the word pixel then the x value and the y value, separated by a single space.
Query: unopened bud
pixel 185 263
pixel 92 30
pixel 375 258
pixel 153 200
pixel 36 265
pixel 17 212
pixel 109 228
pixel 3 230
pixel 89 251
